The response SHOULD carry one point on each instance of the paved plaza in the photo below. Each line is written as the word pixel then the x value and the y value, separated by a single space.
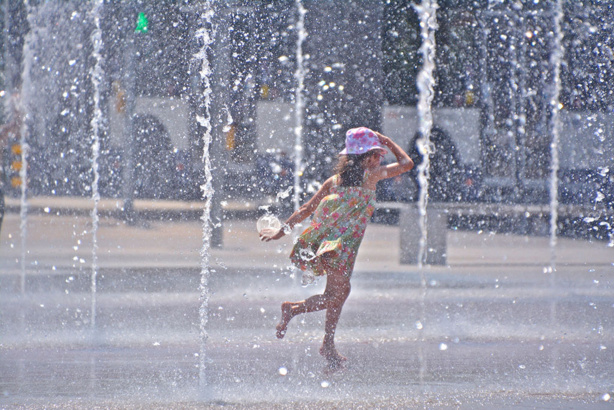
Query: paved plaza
pixel 494 328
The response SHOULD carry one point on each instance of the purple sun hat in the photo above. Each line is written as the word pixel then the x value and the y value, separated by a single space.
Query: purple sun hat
pixel 360 140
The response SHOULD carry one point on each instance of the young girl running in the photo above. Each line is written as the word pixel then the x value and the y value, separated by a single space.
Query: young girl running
pixel 341 209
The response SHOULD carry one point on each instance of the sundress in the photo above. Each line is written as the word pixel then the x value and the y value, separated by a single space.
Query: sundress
pixel 336 230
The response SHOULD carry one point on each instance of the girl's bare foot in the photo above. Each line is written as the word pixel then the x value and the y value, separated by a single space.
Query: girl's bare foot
pixel 332 356
pixel 286 315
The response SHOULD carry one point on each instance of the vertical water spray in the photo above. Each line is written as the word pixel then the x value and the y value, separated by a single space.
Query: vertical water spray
pixel 26 87
pixel 555 125
pixel 299 102
pixel 205 37
pixel 426 82
pixel 96 74
pixel 518 86
pixel 486 87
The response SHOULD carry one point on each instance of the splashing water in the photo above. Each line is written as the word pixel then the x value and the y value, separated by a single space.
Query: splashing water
pixel 268 224
pixel 26 88
pixel 284 194
pixel 205 35
pixel 299 107
pixel 425 83
pixel 517 50
pixel 229 119
pixel 97 76
pixel 555 58
pixel 306 254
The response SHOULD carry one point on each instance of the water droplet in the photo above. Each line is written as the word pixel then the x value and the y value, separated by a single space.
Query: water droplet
pixel 283 371
pixel 605 397
pixel 600 197
pixel 306 254
pixel 308 278
pixel 443 346
pixel 419 325
pixel 325 384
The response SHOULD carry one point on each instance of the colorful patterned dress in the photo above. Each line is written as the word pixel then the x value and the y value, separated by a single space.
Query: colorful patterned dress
pixel 336 230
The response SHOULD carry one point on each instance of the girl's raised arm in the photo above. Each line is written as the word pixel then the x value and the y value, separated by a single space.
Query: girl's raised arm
pixel 303 212
pixel 404 162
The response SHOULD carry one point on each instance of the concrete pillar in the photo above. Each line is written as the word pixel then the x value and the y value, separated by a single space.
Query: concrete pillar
pixel 437 229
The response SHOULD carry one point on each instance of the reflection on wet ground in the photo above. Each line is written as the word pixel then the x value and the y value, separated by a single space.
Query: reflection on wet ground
pixel 482 333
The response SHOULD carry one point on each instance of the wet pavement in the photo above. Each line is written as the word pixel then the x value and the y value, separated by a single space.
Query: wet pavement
pixel 493 329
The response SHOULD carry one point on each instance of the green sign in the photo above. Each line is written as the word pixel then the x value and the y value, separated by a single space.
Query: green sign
pixel 141 23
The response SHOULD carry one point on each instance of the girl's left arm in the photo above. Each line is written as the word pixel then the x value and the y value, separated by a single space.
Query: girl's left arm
pixel 404 162
pixel 302 213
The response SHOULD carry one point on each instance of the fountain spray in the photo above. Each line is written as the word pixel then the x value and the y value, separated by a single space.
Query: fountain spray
pixel 205 36
pixel 426 83
pixel 26 87
pixel 299 102
pixel 96 74
pixel 555 125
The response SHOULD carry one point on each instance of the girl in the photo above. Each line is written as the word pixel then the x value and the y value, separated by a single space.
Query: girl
pixel 341 208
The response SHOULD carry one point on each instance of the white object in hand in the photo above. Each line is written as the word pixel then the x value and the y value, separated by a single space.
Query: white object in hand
pixel 268 224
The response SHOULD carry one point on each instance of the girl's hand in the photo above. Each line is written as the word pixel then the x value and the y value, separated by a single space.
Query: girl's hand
pixel 384 140
pixel 269 234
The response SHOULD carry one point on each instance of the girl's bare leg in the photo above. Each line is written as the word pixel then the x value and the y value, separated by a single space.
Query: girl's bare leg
pixel 339 288
pixel 291 309
pixel 311 304
pixel 335 294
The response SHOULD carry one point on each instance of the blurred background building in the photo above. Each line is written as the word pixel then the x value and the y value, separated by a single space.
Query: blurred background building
pixel 494 86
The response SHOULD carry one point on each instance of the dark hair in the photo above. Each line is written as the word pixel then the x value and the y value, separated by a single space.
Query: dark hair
pixel 350 168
